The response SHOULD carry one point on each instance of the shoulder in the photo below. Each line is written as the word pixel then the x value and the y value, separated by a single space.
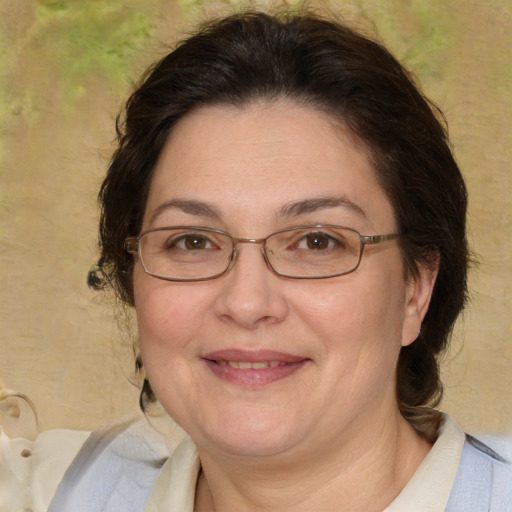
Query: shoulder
pixel 115 469
pixel 53 452
pixel 484 479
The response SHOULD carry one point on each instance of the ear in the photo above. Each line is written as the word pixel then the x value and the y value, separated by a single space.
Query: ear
pixel 418 294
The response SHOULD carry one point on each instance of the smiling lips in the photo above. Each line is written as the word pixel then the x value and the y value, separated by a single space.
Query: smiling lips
pixel 245 365
pixel 247 368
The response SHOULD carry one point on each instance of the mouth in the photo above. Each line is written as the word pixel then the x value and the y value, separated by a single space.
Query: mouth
pixel 253 368
pixel 247 365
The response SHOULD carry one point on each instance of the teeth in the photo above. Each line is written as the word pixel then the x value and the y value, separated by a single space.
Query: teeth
pixel 259 365
pixel 246 365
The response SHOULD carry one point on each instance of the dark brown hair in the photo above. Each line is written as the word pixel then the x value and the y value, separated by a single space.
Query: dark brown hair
pixel 326 65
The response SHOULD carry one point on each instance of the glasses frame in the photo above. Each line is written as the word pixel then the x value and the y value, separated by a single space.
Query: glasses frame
pixel 132 245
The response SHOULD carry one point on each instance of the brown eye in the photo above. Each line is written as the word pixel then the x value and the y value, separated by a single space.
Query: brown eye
pixel 194 242
pixel 190 242
pixel 318 241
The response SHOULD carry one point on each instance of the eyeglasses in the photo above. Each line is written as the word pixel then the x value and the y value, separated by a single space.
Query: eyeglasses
pixel 186 253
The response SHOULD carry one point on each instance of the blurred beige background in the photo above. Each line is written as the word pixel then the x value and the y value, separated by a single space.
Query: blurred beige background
pixel 66 67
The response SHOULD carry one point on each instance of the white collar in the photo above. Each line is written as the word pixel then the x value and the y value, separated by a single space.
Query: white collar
pixel 427 491
pixel 429 488
pixel 175 487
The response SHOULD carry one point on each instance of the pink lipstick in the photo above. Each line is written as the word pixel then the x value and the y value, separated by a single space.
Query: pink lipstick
pixel 252 368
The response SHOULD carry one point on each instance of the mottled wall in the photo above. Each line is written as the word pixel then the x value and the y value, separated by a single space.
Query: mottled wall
pixel 65 68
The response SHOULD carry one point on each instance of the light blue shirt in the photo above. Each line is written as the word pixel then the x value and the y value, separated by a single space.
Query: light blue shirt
pixel 117 469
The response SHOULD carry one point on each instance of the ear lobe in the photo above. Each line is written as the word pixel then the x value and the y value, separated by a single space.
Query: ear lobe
pixel 418 295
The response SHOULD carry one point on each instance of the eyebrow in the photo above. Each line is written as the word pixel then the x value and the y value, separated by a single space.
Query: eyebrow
pixel 319 203
pixel 294 209
pixel 190 206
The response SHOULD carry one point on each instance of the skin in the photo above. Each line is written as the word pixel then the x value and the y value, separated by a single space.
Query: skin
pixel 329 436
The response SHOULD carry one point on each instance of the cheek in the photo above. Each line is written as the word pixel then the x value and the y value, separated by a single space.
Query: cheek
pixel 167 316
pixel 358 323
pixel 169 320
pixel 354 305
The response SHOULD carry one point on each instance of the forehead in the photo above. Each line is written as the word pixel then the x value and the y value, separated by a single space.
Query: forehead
pixel 254 161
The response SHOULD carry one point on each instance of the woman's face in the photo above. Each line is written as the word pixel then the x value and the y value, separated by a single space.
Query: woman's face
pixel 336 341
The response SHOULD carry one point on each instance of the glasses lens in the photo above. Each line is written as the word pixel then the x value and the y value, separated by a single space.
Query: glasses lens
pixel 185 254
pixel 314 251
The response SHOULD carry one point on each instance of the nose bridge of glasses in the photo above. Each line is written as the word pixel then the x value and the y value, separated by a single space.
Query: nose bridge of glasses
pixel 257 241
pixel 254 241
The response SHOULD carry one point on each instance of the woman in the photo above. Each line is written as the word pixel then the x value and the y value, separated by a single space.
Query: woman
pixel 285 215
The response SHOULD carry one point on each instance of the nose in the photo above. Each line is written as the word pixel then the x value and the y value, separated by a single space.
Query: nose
pixel 251 294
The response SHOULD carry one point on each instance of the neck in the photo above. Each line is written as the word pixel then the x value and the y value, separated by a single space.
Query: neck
pixel 363 473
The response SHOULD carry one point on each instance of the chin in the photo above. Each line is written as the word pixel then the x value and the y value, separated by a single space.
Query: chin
pixel 262 438
pixel 253 446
